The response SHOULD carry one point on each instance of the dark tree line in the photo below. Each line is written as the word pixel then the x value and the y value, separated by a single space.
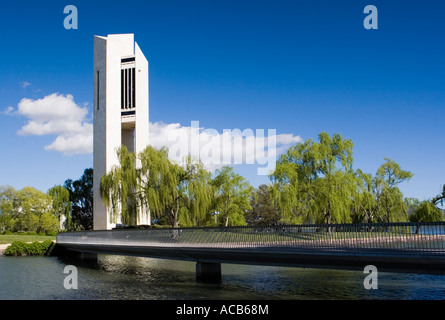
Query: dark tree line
pixel 81 198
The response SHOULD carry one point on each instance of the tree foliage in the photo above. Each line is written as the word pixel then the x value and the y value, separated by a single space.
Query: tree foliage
pixel 170 189
pixel 265 210
pixel 27 210
pixel 81 198
pixel 232 196
pixel 61 205
pixel 9 204
pixel 119 189
pixel 365 203
pixel 314 181
pixel 390 204
pixel 426 212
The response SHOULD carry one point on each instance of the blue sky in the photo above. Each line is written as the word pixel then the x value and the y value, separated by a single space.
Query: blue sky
pixel 300 67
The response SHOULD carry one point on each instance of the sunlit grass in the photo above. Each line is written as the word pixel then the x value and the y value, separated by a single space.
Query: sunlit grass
pixel 10 238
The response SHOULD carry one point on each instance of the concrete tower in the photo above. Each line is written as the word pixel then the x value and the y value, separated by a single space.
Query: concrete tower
pixel 120 110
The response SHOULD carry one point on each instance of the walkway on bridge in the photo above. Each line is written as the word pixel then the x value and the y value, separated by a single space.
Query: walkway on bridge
pixel 392 247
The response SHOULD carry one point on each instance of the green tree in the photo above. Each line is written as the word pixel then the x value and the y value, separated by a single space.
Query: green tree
pixel 119 189
pixel 61 205
pixel 287 186
pixel 314 181
pixel 9 207
pixel 265 210
pixel 35 211
pixel 333 198
pixel 427 212
pixel 232 196
pixel 390 204
pixel 391 173
pixel 170 189
pixel 48 223
pixel 365 205
pixel 198 190
pixel 81 197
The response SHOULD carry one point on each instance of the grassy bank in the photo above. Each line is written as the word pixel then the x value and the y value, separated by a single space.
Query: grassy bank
pixel 10 238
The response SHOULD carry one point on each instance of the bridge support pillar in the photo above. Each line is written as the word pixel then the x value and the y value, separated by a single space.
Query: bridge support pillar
pixel 208 271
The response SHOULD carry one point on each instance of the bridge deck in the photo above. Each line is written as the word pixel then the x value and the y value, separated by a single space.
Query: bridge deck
pixel 390 247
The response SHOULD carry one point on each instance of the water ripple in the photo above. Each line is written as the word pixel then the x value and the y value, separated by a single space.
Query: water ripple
pixel 124 278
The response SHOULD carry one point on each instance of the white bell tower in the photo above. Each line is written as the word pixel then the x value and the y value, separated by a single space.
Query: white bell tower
pixel 120 111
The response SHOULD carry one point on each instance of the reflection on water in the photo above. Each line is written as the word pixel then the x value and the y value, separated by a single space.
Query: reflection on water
pixel 122 278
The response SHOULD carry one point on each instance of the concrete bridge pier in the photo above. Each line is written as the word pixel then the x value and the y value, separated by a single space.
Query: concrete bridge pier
pixel 208 271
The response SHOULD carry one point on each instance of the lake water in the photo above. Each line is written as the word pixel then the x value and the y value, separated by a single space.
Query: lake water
pixel 125 278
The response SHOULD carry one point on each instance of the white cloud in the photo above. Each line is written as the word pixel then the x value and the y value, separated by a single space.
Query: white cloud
pixel 59 115
pixel 215 149
pixel 160 132
pixel 74 143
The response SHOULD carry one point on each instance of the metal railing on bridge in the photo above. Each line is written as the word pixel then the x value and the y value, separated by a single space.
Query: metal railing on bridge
pixel 417 238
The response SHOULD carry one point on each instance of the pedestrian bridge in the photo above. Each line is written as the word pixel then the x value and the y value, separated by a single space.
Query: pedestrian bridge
pixel 391 247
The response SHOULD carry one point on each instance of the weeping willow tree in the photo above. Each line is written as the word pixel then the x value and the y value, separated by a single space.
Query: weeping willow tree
pixel 314 181
pixel 286 192
pixel 173 190
pixel 332 202
pixel 390 204
pixel 120 189
pixel 232 196
pixel 365 203
pixel 198 190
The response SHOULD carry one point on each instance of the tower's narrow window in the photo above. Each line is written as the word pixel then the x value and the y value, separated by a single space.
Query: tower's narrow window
pixel 97 89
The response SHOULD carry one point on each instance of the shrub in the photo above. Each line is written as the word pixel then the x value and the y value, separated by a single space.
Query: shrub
pixel 17 248
pixel 36 248
pixel 48 246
